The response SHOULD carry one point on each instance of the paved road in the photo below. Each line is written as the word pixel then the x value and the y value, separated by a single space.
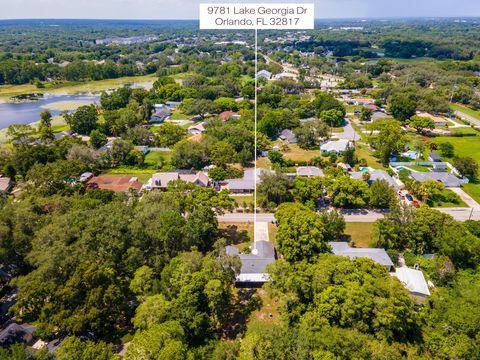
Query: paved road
pixel 460 214
pixel 467 117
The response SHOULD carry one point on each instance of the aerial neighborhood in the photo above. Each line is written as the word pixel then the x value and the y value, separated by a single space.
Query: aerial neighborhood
pixel 164 196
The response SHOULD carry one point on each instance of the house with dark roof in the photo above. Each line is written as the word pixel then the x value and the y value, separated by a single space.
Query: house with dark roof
pixel 380 256
pixel 253 272
pixel 17 333
pixel 288 135
pixel 433 156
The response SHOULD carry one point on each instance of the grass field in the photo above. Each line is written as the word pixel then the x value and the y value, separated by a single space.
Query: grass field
pixel 464 131
pixel 360 233
pixel 178 115
pixel 65 105
pixel 464 146
pixel 142 174
pixel 363 152
pixel 466 110
pixel 153 158
pixel 297 154
pixel 248 199
pixel 473 190
pixel 443 204
pixel 70 87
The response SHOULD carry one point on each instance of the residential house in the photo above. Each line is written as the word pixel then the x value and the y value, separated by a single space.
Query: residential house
pixel 380 256
pixel 17 333
pixel 246 185
pixel 227 115
pixel 85 177
pixel 414 282
pixel 115 183
pixel 309 171
pixel 264 74
pixel 161 114
pixel 197 128
pixel 335 146
pixel 438 120
pixel 447 179
pixel 172 104
pixel 253 272
pixel 5 184
pixel 433 156
pixel 288 135
pixel 160 180
pixel 375 175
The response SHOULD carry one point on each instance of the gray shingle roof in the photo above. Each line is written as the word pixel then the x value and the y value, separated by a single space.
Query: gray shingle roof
pixel 449 180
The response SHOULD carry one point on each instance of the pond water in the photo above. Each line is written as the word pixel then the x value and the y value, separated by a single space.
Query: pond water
pixel 28 112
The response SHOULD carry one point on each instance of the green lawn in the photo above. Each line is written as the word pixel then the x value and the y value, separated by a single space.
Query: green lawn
pixel 178 115
pixel 363 152
pixel 438 201
pixel 473 190
pixel 464 146
pixel 248 199
pixel 464 131
pixel 338 130
pixel 466 110
pixel 297 154
pixel 142 174
pixel 153 158
pixel 360 233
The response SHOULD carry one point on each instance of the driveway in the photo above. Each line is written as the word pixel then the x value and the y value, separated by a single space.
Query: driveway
pixel 466 198
pixel 348 133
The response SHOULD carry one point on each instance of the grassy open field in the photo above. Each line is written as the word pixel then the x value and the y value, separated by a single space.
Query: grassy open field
pixel 154 158
pixel 360 233
pixel 71 87
pixel 363 152
pixel 436 203
pixel 240 199
pixel 296 154
pixel 473 190
pixel 464 146
pixel 466 110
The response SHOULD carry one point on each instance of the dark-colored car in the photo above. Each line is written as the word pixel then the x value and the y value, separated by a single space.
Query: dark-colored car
pixel 409 197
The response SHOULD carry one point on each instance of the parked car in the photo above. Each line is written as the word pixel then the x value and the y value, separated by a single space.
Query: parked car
pixel 409 197
pixel 416 204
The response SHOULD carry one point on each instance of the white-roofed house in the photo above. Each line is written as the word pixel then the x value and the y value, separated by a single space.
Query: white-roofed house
pixel 264 74
pixel 376 175
pixel 378 255
pixel 335 146
pixel 414 282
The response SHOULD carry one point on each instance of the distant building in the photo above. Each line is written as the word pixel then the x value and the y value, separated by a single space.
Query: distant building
pixel 197 128
pixel 438 120
pixel 380 256
pixel 264 74
pixel 433 156
pixel 5 184
pixel 227 115
pixel 161 114
pixel 160 180
pixel 336 147
pixel 289 136
pixel 309 171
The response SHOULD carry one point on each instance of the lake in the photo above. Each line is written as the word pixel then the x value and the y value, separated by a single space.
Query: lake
pixel 29 112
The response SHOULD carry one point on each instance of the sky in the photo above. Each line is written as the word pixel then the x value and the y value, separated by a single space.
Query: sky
pixel 188 9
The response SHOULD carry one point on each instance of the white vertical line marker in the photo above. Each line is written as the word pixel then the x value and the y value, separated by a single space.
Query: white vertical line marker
pixel 255 141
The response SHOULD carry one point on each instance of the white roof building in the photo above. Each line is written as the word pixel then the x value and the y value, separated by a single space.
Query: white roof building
pixel 337 146
pixel 413 280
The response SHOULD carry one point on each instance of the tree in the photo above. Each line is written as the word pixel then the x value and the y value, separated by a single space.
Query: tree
pixel 402 107
pixel 300 234
pixel 45 126
pixel 333 117
pixel 74 348
pixel 84 120
pixel 390 139
pixel 222 153
pixel 348 192
pixel 382 195
pixel 308 190
pixel 142 282
pixel 307 137
pixel 273 189
pixel 447 149
pixel 467 166
pixel 421 122
pixel 200 107
pixel 20 133
pixel 168 134
pixel 97 139
pixel 46 118
pixel 119 151
pixel 366 114
pixel 325 101
pixel 189 155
